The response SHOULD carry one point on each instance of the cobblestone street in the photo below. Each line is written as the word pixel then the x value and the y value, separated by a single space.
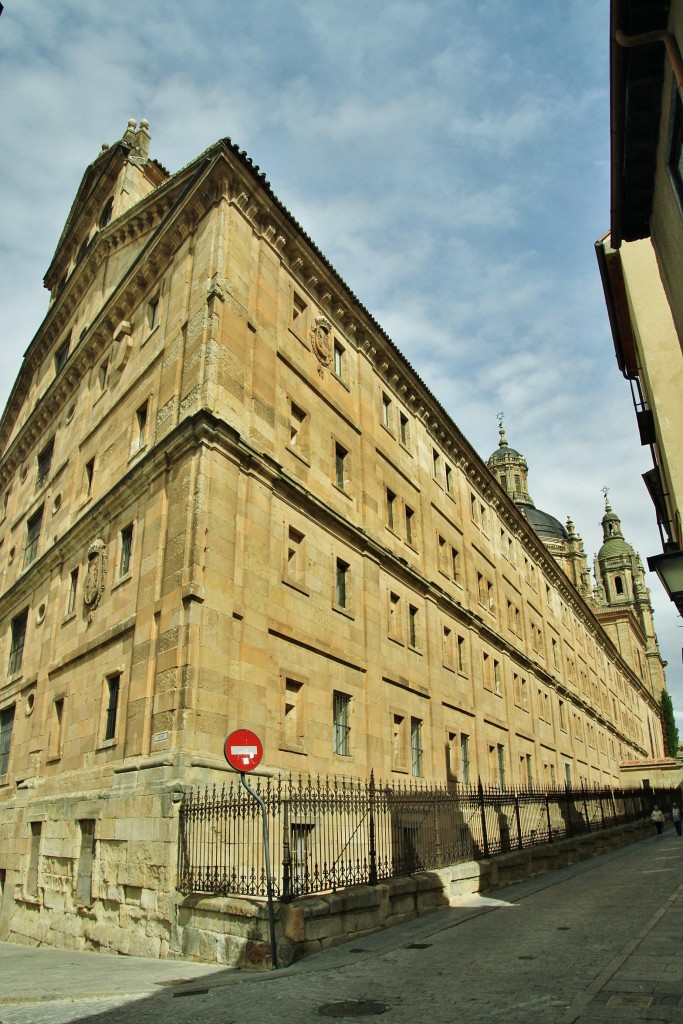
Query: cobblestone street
pixel 597 942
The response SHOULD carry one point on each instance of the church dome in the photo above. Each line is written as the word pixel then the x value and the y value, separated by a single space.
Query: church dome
pixel 544 525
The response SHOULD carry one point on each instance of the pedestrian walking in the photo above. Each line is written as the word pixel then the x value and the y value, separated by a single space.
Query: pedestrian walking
pixel 658 819
pixel 676 818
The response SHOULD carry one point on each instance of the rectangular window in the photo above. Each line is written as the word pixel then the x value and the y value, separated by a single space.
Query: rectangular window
pixel 112 695
pixel 449 478
pixel 86 860
pixel 386 411
pixel 447 647
pixel 6 727
pixel 410 528
pixel 500 751
pixel 103 374
pixel 529 770
pixel 299 431
pixel 455 564
pixel 404 429
pixel 340 460
pixel 89 474
pixel 73 591
pixel 436 463
pixel 497 678
pixel 462 656
pixel 34 859
pixel 16 651
pixel 293 714
pixel 54 745
pixel 341 729
pixel 395 629
pixel 398 741
pixel 391 509
pixel 61 355
pixel 294 561
pixel 341 577
pixel 487 670
pixel 465 758
pixel 413 626
pixel 416 746
pixel 298 311
pixel 339 361
pixel 126 550
pixel 563 716
pixel 152 313
pixel 45 463
pixel 140 427
pixel 33 527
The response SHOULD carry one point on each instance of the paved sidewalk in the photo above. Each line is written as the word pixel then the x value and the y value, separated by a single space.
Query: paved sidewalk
pixel 596 943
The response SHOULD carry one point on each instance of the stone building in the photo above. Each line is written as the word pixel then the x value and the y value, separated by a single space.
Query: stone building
pixel 641 258
pixel 227 500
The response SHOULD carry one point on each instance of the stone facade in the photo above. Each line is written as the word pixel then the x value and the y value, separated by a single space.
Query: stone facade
pixel 226 500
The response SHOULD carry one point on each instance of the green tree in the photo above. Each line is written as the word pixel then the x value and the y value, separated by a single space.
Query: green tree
pixel 669 728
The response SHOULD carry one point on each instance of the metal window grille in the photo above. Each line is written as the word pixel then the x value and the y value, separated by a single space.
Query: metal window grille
pixel 341 729
pixel 6 726
pixel 113 686
pixel 465 758
pixel 16 652
pixel 126 550
pixel 416 746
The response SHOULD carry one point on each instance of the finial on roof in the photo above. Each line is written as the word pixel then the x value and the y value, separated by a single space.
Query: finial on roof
pixel 501 430
pixel 608 507
pixel 570 527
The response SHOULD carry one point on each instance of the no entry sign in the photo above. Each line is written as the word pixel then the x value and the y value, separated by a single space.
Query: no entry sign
pixel 243 750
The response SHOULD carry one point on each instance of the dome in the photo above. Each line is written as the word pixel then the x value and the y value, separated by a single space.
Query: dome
pixel 544 525
pixel 503 453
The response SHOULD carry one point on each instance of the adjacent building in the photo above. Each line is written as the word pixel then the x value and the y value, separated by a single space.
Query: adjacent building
pixel 641 258
pixel 227 500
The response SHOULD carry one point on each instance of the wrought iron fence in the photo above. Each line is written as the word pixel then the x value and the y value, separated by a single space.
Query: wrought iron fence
pixel 326 834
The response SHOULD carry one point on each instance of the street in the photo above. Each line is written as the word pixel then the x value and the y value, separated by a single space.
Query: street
pixel 599 941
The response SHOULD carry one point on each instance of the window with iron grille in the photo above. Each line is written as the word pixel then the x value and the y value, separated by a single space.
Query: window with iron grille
pixel 465 758
pixel 33 536
pixel 113 688
pixel 16 651
pixel 416 746
pixel 126 549
pixel 45 463
pixel 6 726
pixel 341 705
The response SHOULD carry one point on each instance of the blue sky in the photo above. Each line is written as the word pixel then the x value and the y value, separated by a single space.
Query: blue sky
pixel 451 159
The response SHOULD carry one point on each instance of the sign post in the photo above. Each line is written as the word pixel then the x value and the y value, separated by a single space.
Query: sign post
pixel 243 751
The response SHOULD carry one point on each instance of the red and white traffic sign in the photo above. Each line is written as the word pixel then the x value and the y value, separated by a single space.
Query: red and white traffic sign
pixel 243 750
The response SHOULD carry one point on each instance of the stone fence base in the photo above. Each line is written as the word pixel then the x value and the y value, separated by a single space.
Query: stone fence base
pixel 235 931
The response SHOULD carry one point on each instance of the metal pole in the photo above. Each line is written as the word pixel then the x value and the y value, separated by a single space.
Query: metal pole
pixel 269 881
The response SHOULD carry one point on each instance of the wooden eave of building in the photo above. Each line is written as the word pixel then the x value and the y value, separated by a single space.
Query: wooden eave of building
pixel 636 79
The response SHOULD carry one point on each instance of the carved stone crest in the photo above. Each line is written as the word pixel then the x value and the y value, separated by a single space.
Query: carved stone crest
pixel 95 577
pixel 321 340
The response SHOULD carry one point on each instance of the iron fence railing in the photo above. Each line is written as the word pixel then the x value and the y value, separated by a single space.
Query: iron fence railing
pixel 326 834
